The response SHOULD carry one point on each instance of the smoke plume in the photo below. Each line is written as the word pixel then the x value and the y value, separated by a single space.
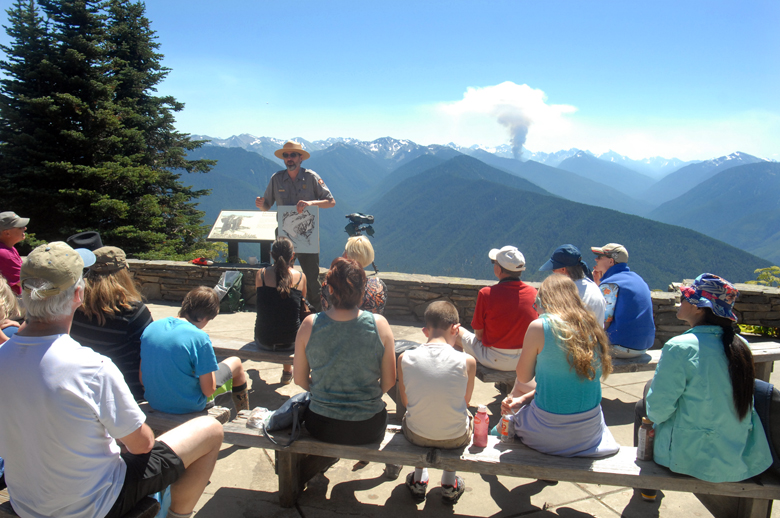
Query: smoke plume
pixel 517 123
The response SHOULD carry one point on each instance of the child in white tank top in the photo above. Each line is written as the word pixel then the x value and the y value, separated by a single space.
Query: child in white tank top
pixel 435 383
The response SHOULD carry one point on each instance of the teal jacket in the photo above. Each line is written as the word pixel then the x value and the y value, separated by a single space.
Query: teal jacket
pixel 697 431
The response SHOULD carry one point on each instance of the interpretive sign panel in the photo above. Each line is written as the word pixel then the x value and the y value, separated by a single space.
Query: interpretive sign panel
pixel 244 225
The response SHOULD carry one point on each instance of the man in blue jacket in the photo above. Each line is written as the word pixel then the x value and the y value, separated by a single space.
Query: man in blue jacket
pixel 629 315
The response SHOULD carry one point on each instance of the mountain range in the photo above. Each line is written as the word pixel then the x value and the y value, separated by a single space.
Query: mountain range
pixel 740 206
pixel 451 194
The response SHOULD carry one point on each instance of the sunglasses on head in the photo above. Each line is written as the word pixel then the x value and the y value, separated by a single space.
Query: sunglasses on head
pixel 291 155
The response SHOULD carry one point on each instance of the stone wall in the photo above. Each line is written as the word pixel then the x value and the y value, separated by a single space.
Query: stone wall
pixel 409 295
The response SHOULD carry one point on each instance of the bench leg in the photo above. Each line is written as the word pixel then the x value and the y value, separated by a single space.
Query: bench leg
pixel 400 409
pixel 294 470
pixel 754 508
pixel 734 507
pixel 764 370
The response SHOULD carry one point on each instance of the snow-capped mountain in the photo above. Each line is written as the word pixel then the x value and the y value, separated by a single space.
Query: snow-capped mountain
pixel 686 178
pixel 655 167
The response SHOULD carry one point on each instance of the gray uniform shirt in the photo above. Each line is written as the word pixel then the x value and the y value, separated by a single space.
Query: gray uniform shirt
pixel 308 186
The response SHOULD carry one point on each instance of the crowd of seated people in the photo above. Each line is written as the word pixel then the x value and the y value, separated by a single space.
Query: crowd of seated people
pixel 558 339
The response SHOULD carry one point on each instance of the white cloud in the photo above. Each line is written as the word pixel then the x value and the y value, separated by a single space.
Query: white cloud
pixel 508 109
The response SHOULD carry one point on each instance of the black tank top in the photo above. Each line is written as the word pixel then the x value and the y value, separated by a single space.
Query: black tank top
pixel 278 319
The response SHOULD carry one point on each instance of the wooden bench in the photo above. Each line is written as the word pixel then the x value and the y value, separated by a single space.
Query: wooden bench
pixel 249 351
pixel 161 422
pixel 146 508
pixel 306 457
pixel 764 356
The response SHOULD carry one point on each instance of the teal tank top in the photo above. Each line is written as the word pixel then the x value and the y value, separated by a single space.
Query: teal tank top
pixel 345 359
pixel 559 390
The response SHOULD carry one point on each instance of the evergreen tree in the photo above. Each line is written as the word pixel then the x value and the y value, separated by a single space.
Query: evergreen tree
pixel 100 153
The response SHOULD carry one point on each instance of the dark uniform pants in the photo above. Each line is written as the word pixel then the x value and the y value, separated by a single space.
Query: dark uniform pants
pixel 310 264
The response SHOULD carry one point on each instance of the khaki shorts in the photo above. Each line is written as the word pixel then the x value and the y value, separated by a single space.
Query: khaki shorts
pixel 445 444
pixel 498 359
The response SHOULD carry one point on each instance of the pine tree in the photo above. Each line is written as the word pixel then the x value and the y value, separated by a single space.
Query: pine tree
pixel 137 69
pixel 98 152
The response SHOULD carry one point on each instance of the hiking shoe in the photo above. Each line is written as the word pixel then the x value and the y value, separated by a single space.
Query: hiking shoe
pixel 392 471
pixel 648 495
pixel 286 378
pixel 451 494
pixel 417 489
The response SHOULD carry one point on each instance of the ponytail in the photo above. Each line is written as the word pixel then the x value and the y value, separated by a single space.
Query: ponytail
pixel 282 252
pixel 740 360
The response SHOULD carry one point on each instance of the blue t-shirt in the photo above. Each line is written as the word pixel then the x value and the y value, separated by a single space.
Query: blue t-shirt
pixel 174 354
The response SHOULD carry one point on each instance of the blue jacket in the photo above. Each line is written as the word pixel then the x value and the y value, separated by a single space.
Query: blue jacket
pixel 690 400
pixel 633 326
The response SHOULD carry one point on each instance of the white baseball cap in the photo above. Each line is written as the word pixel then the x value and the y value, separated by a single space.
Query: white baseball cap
pixel 509 257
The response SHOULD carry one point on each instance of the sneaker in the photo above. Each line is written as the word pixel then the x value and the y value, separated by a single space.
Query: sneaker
pixel 392 471
pixel 417 489
pixel 648 495
pixel 451 494
pixel 286 378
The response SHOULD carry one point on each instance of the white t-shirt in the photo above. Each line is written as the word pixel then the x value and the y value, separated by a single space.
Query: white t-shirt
pixel 435 380
pixel 61 405
pixel 592 298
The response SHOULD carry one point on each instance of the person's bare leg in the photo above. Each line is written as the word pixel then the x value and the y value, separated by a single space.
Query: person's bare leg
pixel 287 367
pixel 240 389
pixel 197 443
pixel 459 340
pixel 234 362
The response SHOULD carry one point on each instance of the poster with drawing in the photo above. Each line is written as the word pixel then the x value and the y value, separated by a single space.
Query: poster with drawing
pixel 303 229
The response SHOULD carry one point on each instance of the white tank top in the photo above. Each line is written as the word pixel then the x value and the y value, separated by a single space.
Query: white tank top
pixel 435 380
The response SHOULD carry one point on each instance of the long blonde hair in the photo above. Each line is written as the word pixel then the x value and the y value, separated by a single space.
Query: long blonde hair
pixel 9 306
pixel 587 345
pixel 108 294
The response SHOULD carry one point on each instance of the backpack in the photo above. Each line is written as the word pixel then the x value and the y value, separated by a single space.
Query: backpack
pixel 229 290
pixel 766 400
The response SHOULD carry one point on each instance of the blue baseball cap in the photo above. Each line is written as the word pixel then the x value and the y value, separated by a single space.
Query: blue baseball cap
pixel 564 255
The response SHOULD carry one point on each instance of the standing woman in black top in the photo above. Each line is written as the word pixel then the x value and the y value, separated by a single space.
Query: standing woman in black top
pixel 280 292
pixel 113 315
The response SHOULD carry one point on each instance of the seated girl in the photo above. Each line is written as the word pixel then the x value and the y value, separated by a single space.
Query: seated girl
pixel 346 358
pixel 113 316
pixel 701 396
pixel 567 351
pixel 360 250
pixel 280 292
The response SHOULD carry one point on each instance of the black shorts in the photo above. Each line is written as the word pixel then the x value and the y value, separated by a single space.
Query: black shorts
pixel 146 474
pixel 337 431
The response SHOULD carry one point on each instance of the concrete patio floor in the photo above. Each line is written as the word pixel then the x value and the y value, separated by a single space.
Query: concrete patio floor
pixel 244 483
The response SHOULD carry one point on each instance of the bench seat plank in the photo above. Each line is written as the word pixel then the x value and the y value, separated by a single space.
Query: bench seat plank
pixel 516 460
pixel 225 347
pixel 162 422
pixel 764 355
pixel 394 447
pixel 621 469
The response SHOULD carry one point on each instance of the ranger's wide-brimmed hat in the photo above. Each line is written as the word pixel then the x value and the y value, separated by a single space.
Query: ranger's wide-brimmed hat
pixel 294 147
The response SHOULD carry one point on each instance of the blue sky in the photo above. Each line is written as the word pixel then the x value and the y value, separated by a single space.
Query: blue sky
pixel 690 79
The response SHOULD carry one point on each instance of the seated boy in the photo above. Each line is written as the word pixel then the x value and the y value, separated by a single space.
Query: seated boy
pixel 179 370
pixel 435 383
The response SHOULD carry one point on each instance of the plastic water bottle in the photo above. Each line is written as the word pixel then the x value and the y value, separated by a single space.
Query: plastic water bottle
pixel 481 427
pixel 646 436
pixel 506 428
